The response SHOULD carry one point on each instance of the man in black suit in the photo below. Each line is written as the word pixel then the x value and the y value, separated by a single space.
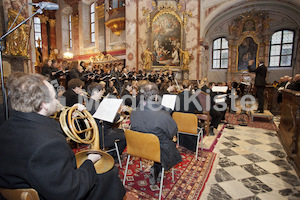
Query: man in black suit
pixel 259 83
pixel 34 152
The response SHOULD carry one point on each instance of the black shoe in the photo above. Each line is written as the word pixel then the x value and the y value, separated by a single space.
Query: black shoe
pixel 259 111
pixel 158 177
pixel 211 130
pixel 152 178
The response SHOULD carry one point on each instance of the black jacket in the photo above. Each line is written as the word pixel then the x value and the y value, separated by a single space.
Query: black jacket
pixel 34 154
pixel 261 73
pixel 161 124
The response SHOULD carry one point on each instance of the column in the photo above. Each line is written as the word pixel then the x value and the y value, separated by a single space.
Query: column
pixel 52 34
pixel 44 20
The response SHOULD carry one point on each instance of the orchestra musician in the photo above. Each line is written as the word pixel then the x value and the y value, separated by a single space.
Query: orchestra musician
pixel 39 156
pixel 111 133
pixel 149 119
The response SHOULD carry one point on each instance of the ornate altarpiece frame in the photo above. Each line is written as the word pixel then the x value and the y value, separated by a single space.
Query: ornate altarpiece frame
pixel 177 36
pixel 253 26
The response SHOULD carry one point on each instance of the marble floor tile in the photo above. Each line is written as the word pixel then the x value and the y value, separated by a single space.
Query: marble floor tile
pixel 265 147
pixel 254 169
pixel 270 196
pixel 288 177
pixel 225 162
pixel 275 145
pixel 270 167
pixel 240 150
pixel 290 192
pixel 273 182
pixel 238 172
pixel 232 138
pixel 243 144
pixel 230 144
pixel 283 164
pixel 240 160
pixel 236 189
pixel 277 153
pixel 273 134
pixel 255 185
pixel 252 141
pixel 228 152
pixel 222 175
pixel 254 158
pixel 217 192
pixel 263 154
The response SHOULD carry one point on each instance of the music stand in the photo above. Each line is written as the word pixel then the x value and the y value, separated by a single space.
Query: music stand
pixel 247 82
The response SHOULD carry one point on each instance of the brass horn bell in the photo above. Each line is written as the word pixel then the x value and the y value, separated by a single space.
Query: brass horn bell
pixel 81 127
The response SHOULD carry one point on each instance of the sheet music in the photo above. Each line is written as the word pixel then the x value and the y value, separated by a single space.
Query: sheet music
pixel 220 98
pixel 108 109
pixel 219 88
pixel 169 101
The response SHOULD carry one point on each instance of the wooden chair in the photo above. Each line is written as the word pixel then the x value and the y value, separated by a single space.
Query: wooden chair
pixel 205 116
pixel 19 194
pixel 187 123
pixel 144 145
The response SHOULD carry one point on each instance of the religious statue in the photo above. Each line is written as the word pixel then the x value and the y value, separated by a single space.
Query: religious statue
pixel 185 56
pixel 147 57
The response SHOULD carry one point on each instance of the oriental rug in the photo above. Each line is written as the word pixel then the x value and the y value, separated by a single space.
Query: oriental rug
pixel 264 123
pixel 190 177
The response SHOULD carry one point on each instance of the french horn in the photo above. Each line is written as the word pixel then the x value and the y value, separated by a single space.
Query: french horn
pixel 81 127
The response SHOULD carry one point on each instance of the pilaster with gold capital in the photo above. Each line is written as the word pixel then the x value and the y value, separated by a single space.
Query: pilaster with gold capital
pixel 52 22
pixel 43 19
pixel 52 34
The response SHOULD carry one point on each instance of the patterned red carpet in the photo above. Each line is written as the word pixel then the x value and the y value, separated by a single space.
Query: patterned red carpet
pixel 189 177
pixel 264 123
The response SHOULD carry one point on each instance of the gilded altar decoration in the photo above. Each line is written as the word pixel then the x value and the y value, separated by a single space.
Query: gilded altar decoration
pixel 100 57
pixel 16 43
pixel 185 56
pixel 147 57
pixel 247 42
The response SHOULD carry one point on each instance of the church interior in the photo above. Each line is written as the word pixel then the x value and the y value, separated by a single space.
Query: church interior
pixel 249 155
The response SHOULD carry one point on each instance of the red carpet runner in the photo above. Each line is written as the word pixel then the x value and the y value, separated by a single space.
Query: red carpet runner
pixel 189 177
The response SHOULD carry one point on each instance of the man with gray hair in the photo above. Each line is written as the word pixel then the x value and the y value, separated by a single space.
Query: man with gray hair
pixel 150 118
pixel 34 152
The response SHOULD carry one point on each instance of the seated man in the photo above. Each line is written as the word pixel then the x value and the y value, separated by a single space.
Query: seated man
pixel 187 104
pixel 149 118
pixel 111 133
pixel 39 156
pixel 72 93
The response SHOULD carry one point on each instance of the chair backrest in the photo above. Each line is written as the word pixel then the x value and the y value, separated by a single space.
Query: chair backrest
pixel 203 97
pixel 186 122
pixel 143 145
pixel 19 194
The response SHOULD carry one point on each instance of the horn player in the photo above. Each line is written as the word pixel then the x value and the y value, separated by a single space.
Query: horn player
pixel 34 152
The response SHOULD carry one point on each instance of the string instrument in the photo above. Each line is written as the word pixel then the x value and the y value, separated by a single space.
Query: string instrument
pixel 81 127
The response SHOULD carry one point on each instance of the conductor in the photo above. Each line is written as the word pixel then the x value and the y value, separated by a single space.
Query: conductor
pixel 259 82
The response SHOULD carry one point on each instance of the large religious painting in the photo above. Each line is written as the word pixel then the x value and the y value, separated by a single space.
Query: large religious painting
pixel 247 50
pixel 166 39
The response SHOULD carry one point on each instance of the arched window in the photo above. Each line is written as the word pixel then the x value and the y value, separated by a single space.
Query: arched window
pixel 70 31
pixel 220 53
pixel 281 49
pixel 37 32
pixel 92 20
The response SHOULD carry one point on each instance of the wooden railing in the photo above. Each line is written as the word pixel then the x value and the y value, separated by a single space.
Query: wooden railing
pixel 289 128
